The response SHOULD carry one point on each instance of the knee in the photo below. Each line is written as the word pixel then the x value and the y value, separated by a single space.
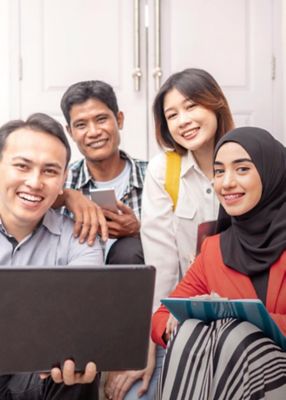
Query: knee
pixel 127 250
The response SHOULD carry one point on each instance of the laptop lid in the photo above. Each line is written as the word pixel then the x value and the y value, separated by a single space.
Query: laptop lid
pixel 88 314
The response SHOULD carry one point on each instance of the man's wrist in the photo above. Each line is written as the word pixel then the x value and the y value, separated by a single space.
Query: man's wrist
pixel 60 200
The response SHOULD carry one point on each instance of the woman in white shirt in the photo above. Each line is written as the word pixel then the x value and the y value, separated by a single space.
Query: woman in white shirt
pixel 191 114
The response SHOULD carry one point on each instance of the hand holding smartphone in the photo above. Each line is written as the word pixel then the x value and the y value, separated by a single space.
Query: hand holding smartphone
pixel 105 198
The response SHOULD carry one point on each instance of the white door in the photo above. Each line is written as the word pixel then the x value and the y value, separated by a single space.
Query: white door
pixel 70 40
pixel 231 39
pixel 66 41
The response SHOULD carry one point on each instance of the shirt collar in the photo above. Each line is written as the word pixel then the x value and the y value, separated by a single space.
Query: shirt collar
pixel 188 162
pixel 84 175
pixel 51 221
pixel 136 176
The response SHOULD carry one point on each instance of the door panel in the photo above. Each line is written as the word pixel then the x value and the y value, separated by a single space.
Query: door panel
pixel 231 39
pixel 70 40
pixel 66 41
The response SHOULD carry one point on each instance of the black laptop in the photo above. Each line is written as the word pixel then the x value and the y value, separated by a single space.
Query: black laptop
pixel 88 314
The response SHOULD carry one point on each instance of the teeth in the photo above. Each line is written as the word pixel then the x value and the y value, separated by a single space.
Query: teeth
pixel 30 197
pixel 232 196
pixel 97 144
pixel 190 132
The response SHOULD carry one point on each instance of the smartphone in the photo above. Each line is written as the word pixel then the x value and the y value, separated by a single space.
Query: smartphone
pixel 105 198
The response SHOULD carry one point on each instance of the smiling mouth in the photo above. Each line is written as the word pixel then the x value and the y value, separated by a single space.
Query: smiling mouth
pixel 190 133
pixel 31 198
pixel 229 198
pixel 97 144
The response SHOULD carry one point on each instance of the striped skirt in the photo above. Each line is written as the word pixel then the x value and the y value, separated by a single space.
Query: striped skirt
pixel 225 360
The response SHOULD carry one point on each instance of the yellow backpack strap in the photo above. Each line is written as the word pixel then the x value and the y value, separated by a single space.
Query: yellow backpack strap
pixel 172 178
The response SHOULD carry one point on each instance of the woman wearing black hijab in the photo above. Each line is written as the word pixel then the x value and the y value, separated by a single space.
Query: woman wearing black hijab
pixel 229 359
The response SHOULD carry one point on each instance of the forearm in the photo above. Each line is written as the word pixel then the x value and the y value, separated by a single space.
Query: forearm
pixel 61 199
pixel 159 322
pixel 280 320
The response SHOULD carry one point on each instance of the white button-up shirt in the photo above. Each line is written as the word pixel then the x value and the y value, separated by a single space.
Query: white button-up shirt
pixel 170 237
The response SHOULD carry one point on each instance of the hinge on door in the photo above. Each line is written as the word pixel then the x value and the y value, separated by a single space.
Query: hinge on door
pixel 20 69
pixel 273 75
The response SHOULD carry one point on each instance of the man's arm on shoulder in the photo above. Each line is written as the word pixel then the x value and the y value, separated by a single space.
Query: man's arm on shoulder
pixel 88 216
pixel 76 253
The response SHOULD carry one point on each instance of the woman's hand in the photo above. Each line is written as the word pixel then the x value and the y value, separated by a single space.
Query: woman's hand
pixel 118 383
pixel 171 325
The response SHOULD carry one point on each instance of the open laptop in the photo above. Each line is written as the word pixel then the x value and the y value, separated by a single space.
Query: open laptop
pixel 88 314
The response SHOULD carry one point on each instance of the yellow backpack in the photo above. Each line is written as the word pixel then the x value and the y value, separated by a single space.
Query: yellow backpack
pixel 172 177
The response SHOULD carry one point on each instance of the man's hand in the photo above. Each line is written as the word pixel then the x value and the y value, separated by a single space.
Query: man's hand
pixel 68 376
pixel 121 224
pixel 88 216
pixel 118 383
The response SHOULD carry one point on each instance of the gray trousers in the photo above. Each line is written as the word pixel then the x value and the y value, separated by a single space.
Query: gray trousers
pixel 126 250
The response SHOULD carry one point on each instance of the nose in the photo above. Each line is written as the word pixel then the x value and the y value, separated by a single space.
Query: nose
pixel 184 118
pixel 228 180
pixel 34 180
pixel 93 129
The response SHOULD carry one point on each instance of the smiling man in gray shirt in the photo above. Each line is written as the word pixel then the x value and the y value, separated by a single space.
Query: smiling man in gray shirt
pixel 34 155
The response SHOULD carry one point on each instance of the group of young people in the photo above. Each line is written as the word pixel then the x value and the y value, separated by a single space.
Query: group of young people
pixel 240 170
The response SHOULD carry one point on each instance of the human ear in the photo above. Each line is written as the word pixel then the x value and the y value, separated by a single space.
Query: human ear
pixel 120 119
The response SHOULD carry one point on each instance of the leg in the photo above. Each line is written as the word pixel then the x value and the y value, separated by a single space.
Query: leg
pixel 126 250
pixel 226 359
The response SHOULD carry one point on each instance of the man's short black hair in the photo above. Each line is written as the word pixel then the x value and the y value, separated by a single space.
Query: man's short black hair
pixel 38 122
pixel 80 92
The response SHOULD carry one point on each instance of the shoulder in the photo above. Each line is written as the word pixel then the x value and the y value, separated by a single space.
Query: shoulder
pixel 74 173
pixel 140 165
pixel 58 224
pixel 211 248
pixel 68 248
pixel 157 166
pixel 76 165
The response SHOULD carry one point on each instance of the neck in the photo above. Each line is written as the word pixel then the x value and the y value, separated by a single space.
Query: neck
pixel 18 231
pixel 204 158
pixel 106 170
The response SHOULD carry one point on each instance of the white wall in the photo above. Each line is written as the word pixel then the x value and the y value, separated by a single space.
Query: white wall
pixel 5 62
pixel 9 62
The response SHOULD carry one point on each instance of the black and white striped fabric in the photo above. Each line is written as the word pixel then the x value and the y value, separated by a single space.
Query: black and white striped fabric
pixel 225 360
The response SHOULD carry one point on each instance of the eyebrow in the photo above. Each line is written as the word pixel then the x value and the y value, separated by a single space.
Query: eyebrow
pixel 238 161
pixel 28 161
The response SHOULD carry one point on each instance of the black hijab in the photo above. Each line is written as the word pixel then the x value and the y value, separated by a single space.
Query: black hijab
pixel 256 239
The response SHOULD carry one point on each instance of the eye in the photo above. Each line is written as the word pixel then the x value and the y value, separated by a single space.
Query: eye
pixel 190 106
pixel 218 171
pixel 243 170
pixel 80 125
pixel 102 119
pixel 51 172
pixel 21 166
pixel 170 116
